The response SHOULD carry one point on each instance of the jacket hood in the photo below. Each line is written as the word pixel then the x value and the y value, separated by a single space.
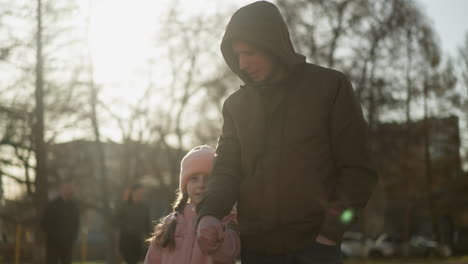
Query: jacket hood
pixel 262 25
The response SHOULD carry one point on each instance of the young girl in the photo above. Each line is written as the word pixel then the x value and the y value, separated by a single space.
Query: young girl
pixel 174 239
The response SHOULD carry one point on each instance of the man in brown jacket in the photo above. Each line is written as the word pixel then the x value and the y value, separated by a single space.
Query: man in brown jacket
pixel 293 150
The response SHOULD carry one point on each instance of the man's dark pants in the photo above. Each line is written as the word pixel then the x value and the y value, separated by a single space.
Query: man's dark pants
pixel 314 254
pixel 131 248
pixel 59 253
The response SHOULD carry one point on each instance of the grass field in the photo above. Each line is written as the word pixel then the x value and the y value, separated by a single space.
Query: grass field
pixel 95 262
pixel 453 260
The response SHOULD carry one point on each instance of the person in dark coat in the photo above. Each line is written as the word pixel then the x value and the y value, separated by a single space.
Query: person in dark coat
pixel 293 151
pixel 134 225
pixel 60 223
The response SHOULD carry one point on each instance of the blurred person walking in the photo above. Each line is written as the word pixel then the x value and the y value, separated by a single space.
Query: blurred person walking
pixel 293 151
pixel 60 223
pixel 134 224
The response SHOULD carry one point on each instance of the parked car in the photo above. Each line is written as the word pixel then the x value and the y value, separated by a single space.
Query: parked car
pixel 421 246
pixel 354 245
pixel 385 245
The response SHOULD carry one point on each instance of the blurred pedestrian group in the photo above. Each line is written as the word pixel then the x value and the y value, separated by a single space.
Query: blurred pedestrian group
pixel 134 224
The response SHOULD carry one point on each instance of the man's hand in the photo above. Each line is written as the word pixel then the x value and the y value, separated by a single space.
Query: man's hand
pixel 323 240
pixel 210 234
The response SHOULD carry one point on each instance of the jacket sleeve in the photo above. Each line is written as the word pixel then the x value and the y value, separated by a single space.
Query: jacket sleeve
pixel 229 250
pixel 223 186
pixel 153 255
pixel 356 175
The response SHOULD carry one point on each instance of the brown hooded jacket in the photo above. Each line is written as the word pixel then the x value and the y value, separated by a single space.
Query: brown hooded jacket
pixel 293 154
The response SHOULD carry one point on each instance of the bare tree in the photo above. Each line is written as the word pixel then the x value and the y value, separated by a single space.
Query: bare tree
pixel 463 53
pixel 39 142
pixel 33 79
pixel 179 116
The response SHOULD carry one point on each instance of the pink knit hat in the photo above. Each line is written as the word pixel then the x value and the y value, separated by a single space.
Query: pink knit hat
pixel 197 160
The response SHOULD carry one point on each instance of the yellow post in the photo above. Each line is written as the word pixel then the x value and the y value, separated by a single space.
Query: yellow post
pixel 84 234
pixel 18 244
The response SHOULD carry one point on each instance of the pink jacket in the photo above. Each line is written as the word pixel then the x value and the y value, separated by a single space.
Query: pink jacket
pixel 186 249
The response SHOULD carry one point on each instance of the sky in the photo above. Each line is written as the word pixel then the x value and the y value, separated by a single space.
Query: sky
pixel 121 30
pixel 450 21
pixel 122 37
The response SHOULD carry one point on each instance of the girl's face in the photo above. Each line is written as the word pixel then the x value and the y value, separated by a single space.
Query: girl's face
pixel 196 187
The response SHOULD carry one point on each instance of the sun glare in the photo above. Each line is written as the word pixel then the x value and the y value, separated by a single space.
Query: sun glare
pixel 123 37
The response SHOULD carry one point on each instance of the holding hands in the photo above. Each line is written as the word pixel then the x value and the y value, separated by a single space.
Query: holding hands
pixel 210 234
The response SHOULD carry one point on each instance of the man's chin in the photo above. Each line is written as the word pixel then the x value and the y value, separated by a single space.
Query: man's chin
pixel 258 80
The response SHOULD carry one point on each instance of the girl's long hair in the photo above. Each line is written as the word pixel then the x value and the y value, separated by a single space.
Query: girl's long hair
pixel 164 231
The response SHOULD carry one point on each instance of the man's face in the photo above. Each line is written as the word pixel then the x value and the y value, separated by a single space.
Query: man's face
pixel 66 191
pixel 258 64
pixel 138 194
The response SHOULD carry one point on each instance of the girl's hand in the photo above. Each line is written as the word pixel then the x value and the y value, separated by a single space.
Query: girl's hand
pixel 210 234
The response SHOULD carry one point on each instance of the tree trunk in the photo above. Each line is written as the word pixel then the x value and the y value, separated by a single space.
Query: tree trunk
pixel 404 162
pixel 102 175
pixel 428 165
pixel 40 197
